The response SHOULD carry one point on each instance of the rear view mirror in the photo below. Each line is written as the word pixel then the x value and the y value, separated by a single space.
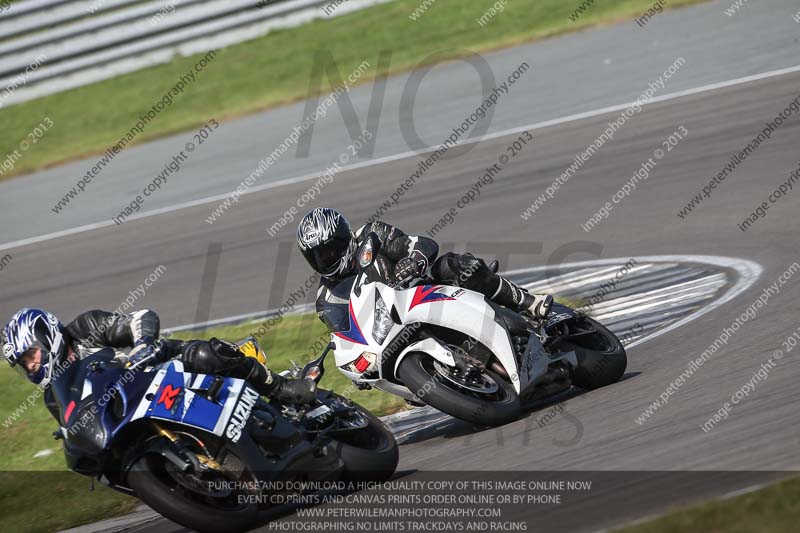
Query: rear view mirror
pixel 315 369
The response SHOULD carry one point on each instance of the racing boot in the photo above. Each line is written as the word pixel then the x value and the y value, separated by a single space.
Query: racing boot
pixel 538 305
pixel 511 295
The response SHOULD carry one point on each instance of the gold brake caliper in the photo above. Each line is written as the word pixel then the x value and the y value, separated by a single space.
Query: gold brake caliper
pixel 203 459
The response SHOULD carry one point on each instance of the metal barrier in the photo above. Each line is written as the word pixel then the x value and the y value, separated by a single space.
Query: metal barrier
pixel 51 45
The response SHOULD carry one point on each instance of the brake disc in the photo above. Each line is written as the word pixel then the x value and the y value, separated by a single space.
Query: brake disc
pixel 485 384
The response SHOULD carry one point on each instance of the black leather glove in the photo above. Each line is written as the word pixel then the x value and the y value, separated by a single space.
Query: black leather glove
pixel 412 266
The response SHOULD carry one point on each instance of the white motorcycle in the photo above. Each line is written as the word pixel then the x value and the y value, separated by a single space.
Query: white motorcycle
pixel 457 351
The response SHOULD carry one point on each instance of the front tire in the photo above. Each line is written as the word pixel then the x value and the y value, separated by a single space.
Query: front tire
pixel 151 482
pixel 418 374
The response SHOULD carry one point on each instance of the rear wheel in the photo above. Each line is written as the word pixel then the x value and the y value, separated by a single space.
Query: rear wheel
pixel 601 357
pixel 206 504
pixel 486 400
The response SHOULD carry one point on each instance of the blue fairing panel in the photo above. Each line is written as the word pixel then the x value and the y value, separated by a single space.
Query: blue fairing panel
pixel 172 396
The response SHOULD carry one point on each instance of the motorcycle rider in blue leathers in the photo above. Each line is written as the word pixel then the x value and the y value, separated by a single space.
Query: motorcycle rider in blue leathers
pixel 37 344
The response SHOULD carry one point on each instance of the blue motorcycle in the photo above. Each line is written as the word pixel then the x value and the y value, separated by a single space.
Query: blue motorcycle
pixel 207 451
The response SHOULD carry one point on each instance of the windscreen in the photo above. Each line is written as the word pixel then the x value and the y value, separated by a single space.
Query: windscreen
pixel 335 311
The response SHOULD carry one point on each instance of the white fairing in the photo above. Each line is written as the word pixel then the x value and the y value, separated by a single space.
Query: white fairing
pixel 451 307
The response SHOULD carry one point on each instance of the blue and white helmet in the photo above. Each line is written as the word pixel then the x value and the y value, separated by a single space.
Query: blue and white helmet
pixel 28 331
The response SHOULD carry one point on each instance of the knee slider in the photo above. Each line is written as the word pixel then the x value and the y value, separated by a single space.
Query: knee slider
pixel 462 270
pixel 473 273
pixel 202 357
pixel 468 263
pixel 225 348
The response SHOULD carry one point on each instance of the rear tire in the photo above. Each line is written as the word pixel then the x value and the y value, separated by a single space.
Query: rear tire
pixel 459 403
pixel 601 357
pixel 370 454
pixel 153 489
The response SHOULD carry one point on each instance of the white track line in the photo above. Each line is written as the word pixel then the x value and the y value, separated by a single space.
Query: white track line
pixel 241 319
pixel 404 155
pixel 749 272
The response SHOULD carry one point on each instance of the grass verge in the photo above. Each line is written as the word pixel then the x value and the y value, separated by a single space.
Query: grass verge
pixel 774 509
pixel 40 502
pixel 276 69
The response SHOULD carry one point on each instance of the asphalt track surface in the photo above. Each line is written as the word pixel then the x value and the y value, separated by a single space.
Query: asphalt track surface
pixel 99 268
pixel 570 74
pixel 760 434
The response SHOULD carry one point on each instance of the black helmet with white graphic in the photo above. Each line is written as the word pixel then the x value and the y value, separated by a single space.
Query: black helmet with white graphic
pixel 327 242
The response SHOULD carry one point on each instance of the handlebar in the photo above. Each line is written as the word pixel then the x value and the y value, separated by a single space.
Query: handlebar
pixel 145 359
pixel 154 354
pixel 408 282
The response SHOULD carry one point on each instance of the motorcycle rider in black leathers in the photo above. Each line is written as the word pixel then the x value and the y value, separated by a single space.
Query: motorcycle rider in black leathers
pixel 36 343
pixel 329 245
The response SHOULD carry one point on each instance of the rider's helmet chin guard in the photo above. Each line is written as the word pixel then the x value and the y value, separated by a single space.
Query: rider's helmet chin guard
pixel 30 331
pixel 327 242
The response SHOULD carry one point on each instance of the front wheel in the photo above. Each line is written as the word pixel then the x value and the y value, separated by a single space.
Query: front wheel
pixel 196 504
pixel 370 453
pixel 486 401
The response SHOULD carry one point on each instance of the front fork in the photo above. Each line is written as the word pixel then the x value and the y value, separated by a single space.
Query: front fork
pixel 183 458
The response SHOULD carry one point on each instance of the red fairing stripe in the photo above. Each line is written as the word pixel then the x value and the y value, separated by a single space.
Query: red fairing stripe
pixel 69 410
pixel 426 294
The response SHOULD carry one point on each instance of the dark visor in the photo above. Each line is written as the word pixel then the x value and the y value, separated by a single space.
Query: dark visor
pixel 325 257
